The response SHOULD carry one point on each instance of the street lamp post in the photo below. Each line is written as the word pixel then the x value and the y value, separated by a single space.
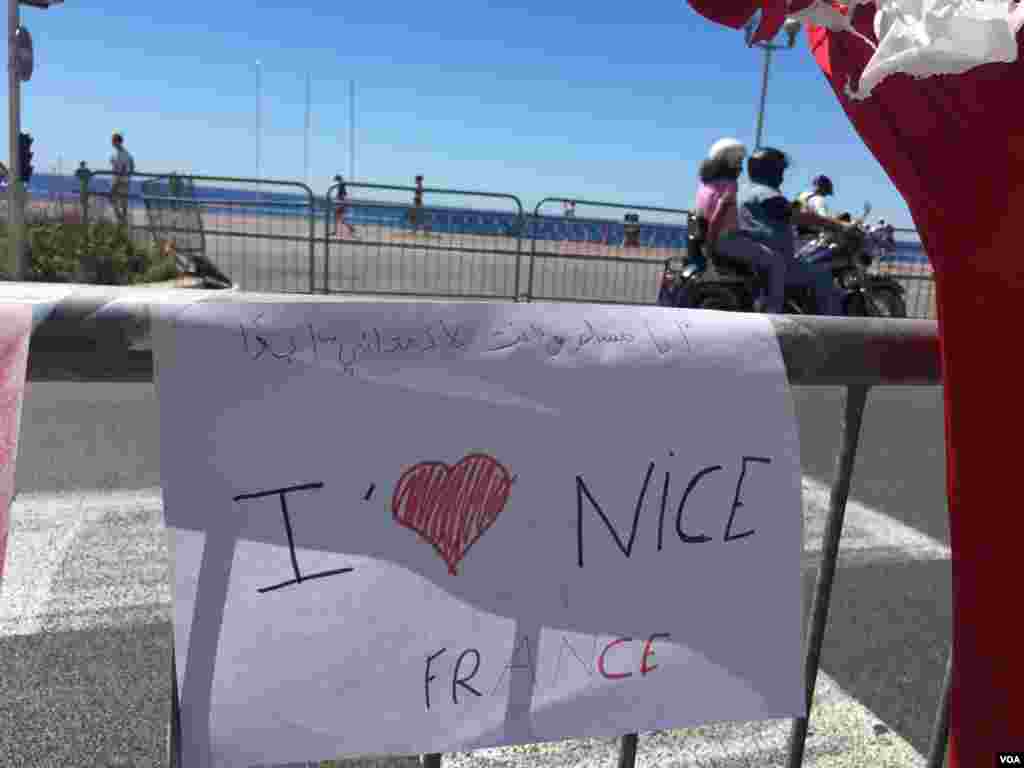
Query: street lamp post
pixel 792 29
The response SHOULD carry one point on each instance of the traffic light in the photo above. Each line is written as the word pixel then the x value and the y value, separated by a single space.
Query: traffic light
pixel 25 156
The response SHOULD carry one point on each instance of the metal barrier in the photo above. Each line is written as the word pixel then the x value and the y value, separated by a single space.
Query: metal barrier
pixel 79 342
pixel 261 236
pixel 917 279
pixel 376 245
pixel 593 258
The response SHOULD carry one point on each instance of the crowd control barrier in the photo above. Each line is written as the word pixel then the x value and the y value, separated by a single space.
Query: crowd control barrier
pixel 86 337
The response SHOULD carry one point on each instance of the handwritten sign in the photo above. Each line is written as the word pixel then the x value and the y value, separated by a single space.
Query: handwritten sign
pixel 15 328
pixel 421 527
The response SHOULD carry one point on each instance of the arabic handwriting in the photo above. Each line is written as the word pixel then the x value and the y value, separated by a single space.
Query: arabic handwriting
pixel 554 344
pixel 284 344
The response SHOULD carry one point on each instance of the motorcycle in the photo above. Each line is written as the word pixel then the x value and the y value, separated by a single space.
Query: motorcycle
pixel 849 255
pixel 734 286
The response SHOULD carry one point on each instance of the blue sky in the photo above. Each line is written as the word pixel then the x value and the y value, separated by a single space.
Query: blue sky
pixel 603 101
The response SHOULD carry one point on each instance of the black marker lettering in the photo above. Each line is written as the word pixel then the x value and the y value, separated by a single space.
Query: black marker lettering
pixel 452 335
pixel 662 347
pixel 430 335
pixel 661 514
pixel 348 365
pixel 527 666
pixel 427 677
pixel 312 336
pixel 290 355
pixel 464 681
pixel 245 344
pixel 567 644
pixel 397 345
pixel 736 503
pixel 581 490
pixel 682 504
pixel 682 332
pixel 282 493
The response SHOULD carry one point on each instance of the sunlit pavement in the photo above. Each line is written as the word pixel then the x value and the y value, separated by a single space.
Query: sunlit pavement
pixel 84 607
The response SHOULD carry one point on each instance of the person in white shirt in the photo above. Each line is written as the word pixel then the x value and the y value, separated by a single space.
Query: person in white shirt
pixel 123 165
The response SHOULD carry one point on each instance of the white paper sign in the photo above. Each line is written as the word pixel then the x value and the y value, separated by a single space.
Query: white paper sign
pixel 427 527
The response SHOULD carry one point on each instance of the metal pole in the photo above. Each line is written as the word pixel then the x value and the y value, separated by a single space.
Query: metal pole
pixel 627 751
pixel 308 125
pixel 352 132
pixel 853 414
pixel 16 213
pixel 259 117
pixel 764 93
pixel 940 729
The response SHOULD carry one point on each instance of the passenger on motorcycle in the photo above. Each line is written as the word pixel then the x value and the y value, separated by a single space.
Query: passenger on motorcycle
pixel 716 192
pixel 764 237
pixel 813 201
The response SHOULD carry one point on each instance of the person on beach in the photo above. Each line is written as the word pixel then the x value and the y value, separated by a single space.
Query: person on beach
pixel 417 205
pixel 340 208
pixel 123 165
pixel 570 209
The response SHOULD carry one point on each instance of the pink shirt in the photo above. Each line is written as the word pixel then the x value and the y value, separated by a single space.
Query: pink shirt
pixel 709 198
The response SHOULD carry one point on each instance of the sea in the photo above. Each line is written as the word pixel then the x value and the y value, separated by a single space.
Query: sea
pixel 474 221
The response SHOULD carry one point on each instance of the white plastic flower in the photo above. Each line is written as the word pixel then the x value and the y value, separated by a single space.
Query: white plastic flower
pixel 922 38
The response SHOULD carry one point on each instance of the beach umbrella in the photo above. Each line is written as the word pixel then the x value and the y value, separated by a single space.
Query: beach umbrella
pixel 931 86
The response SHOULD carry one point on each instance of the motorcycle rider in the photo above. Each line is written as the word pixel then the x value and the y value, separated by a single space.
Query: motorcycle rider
pixel 813 199
pixel 716 193
pixel 765 239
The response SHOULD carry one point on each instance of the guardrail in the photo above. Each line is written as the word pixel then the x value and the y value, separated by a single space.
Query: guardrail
pixel 87 338
pixel 453 243
pixel 606 260
pixel 414 249
pixel 260 240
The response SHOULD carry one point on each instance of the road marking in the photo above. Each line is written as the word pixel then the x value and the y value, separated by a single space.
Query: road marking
pixel 35 594
pixel 869 536
pixel 45 590
pixel 129 569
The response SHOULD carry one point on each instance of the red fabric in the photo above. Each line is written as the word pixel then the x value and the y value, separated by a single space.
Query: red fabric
pixel 954 147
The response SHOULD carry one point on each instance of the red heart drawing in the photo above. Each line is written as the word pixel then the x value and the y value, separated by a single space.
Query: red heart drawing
pixel 452 506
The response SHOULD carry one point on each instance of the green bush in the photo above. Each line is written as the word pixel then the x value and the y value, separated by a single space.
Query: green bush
pixel 100 252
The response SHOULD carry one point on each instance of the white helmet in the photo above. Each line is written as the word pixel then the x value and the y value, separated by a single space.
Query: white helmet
pixel 731 150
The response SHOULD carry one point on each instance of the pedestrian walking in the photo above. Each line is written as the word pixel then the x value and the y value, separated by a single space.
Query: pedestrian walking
pixel 341 208
pixel 123 165
pixel 416 212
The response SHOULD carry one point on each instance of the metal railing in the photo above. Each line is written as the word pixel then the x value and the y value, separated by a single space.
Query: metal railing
pixel 458 243
pixel 917 279
pixel 374 245
pixel 599 258
pixel 78 342
pixel 261 236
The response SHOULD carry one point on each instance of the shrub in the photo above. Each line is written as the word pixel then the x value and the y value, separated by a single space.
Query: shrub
pixel 101 252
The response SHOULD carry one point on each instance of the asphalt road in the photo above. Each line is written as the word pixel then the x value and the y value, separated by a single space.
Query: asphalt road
pixel 84 607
